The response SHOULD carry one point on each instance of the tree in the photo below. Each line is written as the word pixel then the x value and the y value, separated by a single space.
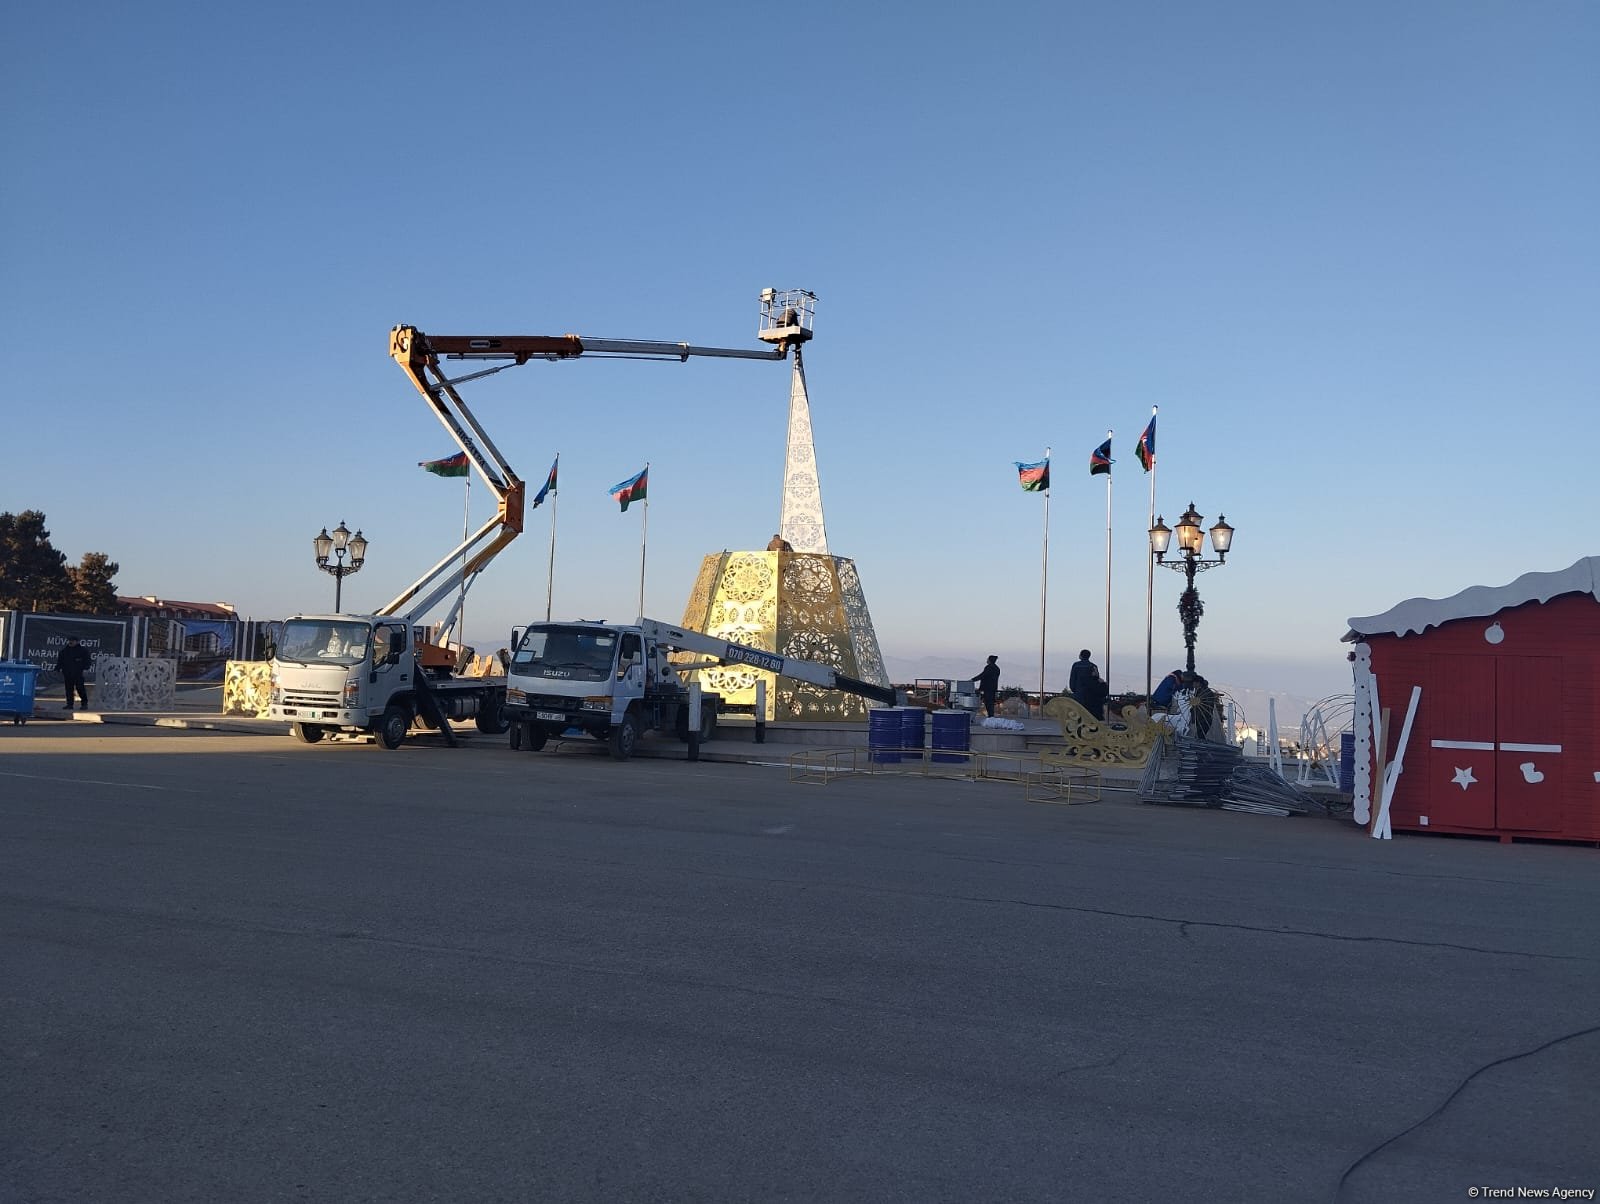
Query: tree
pixel 93 590
pixel 35 576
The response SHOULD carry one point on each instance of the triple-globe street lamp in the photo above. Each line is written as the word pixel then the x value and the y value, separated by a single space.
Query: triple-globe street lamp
pixel 338 544
pixel 1190 545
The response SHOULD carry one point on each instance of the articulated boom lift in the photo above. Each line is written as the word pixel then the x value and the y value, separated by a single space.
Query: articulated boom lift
pixel 786 319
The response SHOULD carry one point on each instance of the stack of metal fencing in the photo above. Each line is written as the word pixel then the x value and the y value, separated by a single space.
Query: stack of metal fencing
pixel 1186 772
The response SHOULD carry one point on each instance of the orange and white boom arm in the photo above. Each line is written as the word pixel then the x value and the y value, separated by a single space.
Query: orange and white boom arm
pixel 419 354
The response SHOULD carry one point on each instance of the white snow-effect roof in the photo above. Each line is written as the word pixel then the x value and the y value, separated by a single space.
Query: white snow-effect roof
pixel 1480 601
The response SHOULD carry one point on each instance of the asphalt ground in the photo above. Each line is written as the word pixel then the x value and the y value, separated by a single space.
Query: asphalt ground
pixel 239 969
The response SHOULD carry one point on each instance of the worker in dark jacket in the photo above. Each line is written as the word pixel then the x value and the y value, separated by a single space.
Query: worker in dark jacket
pixel 72 663
pixel 1095 689
pixel 988 680
pixel 1077 681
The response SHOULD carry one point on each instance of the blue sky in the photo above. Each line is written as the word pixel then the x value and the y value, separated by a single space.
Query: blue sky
pixel 1351 251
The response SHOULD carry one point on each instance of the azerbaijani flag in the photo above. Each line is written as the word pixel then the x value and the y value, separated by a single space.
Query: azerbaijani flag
pixel 450 466
pixel 1146 451
pixel 549 484
pixel 1034 478
pixel 633 489
pixel 1100 459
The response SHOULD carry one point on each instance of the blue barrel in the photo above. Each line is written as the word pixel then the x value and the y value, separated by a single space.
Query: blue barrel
pixel 913 726
pixel 17 679
pixel 952 731
pixel 1347 762
pixel 884 734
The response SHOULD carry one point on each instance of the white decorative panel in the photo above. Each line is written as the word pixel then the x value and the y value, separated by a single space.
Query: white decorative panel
pixel 801 522
pixel 134 683
pixel 1362 657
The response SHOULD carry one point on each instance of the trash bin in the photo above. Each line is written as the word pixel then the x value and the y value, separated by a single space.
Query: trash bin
pixel 17 680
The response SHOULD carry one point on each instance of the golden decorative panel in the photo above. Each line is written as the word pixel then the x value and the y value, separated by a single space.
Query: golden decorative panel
pixel 247 688
pixel 1092 741
pixel 799 604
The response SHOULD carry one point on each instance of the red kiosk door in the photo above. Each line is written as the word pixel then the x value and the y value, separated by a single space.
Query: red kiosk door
pixel 1460 705
pixel 1528 759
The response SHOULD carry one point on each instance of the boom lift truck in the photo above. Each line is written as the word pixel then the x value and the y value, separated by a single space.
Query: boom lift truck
pixel 614 681
pixel 373 672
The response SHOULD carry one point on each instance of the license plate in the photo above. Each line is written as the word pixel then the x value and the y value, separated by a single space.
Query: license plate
pixel 551 716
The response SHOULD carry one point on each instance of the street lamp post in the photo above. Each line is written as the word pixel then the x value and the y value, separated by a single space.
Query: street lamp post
pixel 340 542
pixel 1190 546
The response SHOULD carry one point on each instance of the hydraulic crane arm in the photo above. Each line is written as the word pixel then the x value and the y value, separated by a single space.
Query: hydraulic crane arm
pixel 729 653
pixel 419 356
pixel 522 348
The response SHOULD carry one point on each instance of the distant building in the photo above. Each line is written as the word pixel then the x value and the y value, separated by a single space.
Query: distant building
pixel 151 607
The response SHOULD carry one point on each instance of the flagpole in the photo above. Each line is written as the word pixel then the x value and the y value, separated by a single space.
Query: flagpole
pixel 1044 578
pixel 644 528
pixel 1150 580
pixel 550 581
pixel 466 534
pixel 1108 571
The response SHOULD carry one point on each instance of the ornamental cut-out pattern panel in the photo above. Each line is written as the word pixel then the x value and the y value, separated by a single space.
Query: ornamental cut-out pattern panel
pixel 863 637
pixel 798 604
pixel 694 614
pixel 130 683
pixel 247 688
pixel 801 521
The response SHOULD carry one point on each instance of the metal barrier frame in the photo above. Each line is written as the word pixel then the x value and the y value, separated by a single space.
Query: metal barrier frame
pixel 1041 781
pixel 819 766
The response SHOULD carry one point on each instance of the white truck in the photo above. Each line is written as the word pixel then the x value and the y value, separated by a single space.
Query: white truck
pixel 374 672
pixel 367 673
pixel 614 681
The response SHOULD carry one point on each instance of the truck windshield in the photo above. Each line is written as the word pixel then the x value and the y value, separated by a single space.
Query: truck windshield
pixel 323 642
pixel 580 653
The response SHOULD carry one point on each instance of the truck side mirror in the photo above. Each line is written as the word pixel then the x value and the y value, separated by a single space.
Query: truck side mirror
pixel 516 637
pixel 397 647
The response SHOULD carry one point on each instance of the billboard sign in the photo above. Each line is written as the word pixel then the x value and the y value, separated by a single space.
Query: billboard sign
pixel 40 639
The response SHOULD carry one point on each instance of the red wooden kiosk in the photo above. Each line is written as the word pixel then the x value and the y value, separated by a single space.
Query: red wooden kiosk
pixel 1506 733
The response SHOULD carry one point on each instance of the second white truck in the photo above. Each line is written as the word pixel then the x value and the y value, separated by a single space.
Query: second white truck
pixel 615 681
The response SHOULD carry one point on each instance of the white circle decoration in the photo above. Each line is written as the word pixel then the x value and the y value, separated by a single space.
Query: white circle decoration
pixel 1494 633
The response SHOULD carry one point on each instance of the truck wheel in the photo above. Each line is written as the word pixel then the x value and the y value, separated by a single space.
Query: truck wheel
pixel 307 733
pixel 529 737
pixel 392 727
pixel 491 718
pixel 625 737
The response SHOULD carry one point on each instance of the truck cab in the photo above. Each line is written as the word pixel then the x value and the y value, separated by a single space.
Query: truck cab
pixel 360 673
pixel 607 681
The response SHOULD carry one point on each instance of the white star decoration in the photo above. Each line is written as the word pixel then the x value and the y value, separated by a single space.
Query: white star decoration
pixel 1464 777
